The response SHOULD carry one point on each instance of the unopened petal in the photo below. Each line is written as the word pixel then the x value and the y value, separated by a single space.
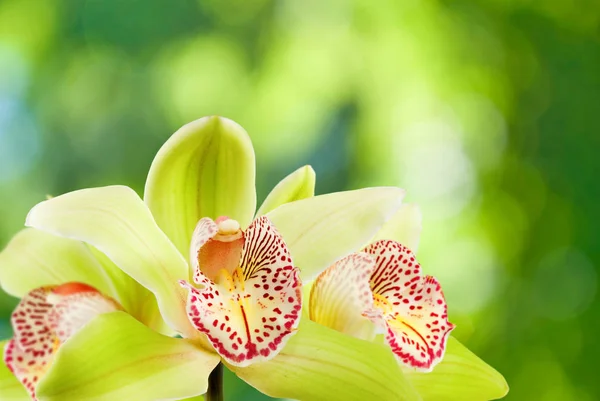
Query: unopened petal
pixel 325 228
pixel 341 294
pixel 35 259
pixel 249 315
pixel 115 357
pixel 404 227
pixel 319 363
pixel 116 221
pixel 460 376
pixel 413 306
pixel 10 387
pixel 206 169
pixel 298 185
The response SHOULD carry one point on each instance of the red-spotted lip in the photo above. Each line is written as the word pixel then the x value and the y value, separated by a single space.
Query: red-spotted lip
pixel 251 311
pixel 413 307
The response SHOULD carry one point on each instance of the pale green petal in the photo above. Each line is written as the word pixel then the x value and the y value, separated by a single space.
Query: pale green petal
pixel 139 301
pixel 116 221
pixel 461 376
pixel 404 227
pixel 206 169
pixel 115 357
pixel 325 228
pixel 10 388
pixel 34 259
pixel 296 186
pixel 321 364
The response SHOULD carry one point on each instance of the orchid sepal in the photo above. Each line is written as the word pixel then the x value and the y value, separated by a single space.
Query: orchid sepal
pixel 460 376
pixel 126 360
pixel 319 363
pixel 298 185
pixel 404 226
pixel 205 169
pixel 34 259
pixel 333 225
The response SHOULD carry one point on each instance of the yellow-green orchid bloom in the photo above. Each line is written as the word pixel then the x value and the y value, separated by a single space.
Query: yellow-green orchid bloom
pixel 382 289
pixel 246 271
pixel 65 286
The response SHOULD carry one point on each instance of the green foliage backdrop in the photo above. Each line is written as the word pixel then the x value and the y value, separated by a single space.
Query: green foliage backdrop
pixel 485 111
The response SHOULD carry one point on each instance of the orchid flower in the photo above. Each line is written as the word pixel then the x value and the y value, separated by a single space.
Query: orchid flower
pixel 74 297
pixel 238 298
pixel 382 288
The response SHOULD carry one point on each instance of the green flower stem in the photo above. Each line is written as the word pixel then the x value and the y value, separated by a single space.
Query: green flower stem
pixel 215 384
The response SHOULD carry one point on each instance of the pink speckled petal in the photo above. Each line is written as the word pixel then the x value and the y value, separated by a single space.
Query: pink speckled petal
pixel 413 306
pixel 44 319
pixel 74 305
pixel 250 314
pixel 341 296
pixel 29 354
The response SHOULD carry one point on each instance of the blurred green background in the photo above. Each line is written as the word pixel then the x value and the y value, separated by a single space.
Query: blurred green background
pixel 485 111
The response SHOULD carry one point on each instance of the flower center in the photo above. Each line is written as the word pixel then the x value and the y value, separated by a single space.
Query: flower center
pixel 382 303
pixel 223 251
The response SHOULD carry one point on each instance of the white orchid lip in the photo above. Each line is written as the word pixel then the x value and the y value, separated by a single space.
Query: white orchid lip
pixel 44 319
pixel 250 301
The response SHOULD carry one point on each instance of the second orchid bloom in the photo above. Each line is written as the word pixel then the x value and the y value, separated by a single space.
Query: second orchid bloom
pixel 383 288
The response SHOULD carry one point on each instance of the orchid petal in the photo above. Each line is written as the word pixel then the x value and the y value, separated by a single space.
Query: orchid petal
pixel 341 293
pixel 29 354
pixel 35 259
pixel 73 306
pixel 319 363
pixel 251 313
pixel 413 308
pixel 116 221
pixel 298 185
pixel 206 169
pixel 10 387
pixel 136 299
pixel 404 227
pixel 460 376
pixel 125 360
pixel 320 230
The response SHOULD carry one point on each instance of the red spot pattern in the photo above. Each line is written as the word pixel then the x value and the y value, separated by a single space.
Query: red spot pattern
pixel 43 320
pixel 415 317
pixel 250 318
pixel 70 313
pixel 29 354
